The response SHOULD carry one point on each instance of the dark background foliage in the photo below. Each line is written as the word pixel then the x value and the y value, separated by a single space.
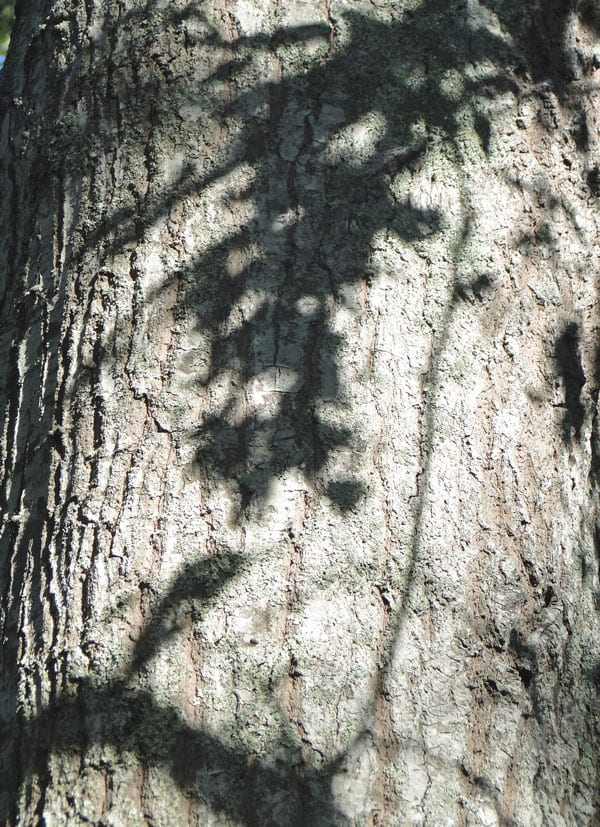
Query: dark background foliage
pixel 6 21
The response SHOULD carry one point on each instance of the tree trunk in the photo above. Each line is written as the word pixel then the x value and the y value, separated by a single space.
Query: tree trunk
pixel 300 451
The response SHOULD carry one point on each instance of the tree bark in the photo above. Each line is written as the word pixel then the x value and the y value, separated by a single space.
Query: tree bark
pixel 299 400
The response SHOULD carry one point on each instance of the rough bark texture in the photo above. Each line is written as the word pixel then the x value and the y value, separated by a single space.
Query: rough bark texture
pixel 299 386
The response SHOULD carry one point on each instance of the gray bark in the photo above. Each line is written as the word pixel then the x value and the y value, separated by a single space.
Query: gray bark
pixel 299 413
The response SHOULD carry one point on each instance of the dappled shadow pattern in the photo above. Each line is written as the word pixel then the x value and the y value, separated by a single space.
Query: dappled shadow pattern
pixel 315 216
pixel 155 733
pixel 334 207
